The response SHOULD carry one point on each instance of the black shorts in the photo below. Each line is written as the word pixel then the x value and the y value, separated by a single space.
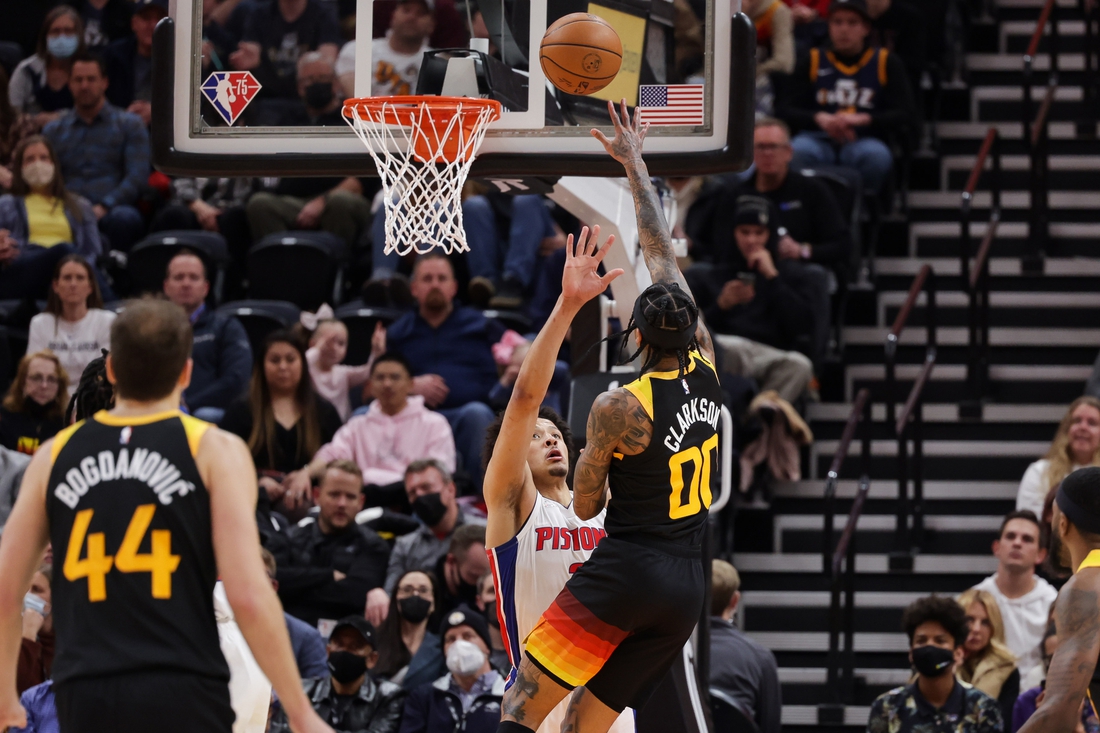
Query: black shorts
pixel 140 702
pixel 621 621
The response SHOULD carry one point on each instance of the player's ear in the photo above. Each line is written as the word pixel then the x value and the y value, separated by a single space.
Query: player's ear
pixel 110 367
pixel 184 380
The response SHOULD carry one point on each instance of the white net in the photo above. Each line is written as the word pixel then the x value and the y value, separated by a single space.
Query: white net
pixel 423 148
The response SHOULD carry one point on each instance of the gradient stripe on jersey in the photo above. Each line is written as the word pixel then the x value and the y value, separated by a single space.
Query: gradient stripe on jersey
pixel 569 641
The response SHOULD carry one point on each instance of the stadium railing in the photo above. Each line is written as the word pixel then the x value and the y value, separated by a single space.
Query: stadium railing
pixel 909 425
pixel 975 280
pixel 1086 126
pixel 1037 138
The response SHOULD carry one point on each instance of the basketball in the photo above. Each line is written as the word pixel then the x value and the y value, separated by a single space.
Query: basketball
pixel 580 53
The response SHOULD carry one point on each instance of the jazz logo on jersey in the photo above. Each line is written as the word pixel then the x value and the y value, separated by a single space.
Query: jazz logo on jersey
pixel 230 92
pixel 847 94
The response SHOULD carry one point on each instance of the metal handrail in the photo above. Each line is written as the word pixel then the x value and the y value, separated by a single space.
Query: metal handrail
pixel 1036 139
pixel 1091 101
pixel 975 280
pixel 839 564
pixel 909 425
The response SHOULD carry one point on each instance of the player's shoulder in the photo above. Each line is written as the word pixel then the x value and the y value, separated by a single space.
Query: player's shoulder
pixel 208 441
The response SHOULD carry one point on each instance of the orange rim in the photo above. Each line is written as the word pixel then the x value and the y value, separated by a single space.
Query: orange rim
pixel 405 108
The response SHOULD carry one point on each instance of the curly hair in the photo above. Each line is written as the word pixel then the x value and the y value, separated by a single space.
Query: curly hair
pixel 93 392
pixel 666 309
pixel 941 609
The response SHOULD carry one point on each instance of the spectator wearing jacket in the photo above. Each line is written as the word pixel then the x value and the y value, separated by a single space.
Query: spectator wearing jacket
pixel 764 308
pixel 104 152
pixel 41 222
pixel 36 651
pixel 326 567
pixel 130 61
pixel 40 83
pixel 468 697
pixel 104 20
pixel 12 466
pixel 305 640
pixel 220 352
pixel 450 350
pixel 847 99
pixel 348 698
pixel 397 430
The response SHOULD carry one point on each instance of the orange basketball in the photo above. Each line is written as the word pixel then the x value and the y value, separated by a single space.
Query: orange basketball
pixel 581 53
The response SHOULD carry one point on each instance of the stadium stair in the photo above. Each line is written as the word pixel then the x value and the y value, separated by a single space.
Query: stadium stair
pixel 1045 333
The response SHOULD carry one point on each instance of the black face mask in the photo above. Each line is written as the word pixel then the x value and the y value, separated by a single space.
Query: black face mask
pixel 414 608
pixel 429 508
pixel 932 661
pixel 319 95
pixel 346 667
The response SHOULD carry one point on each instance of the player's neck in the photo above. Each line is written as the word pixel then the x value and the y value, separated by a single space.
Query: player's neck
pixel 1078 551
pixel 557 491
pixel 126 407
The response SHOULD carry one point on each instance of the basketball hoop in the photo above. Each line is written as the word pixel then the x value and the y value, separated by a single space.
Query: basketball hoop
pixel 423 147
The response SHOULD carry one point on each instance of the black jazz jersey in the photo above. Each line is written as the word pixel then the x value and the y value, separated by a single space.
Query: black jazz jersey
pixel 664 492
pixel 134 567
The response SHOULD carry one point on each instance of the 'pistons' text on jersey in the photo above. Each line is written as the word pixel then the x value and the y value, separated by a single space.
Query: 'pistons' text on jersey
pixel 664 492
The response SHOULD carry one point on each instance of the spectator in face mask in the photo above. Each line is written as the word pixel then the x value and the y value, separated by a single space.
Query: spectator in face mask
pixel 487 604
pixel 408 654
pixel 37 646
pixel 461 567
pixel 468 697
pixel 431 493
pixel 348 699
pixel 937 628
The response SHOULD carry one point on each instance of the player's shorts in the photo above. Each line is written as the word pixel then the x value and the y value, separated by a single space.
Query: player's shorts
pixel 143 702
pixel 621 620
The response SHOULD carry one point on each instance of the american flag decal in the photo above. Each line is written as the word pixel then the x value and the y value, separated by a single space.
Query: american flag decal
pixel 678 104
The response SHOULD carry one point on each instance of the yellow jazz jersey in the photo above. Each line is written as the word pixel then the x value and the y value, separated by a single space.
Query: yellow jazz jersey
pixel 134 567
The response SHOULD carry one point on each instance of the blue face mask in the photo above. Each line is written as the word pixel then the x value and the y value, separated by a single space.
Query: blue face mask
pixel 62 47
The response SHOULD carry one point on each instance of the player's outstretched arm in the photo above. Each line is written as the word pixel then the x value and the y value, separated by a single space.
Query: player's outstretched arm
pixel 230 477
pixel 508 494
pixel 653 235
pixel 1077 616
pixel 617 424
pixel 25 537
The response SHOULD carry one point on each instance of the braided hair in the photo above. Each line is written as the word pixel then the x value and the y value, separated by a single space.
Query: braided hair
pixel 93 392
pixel 666 316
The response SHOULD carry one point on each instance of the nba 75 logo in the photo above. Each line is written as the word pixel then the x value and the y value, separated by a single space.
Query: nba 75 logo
pixel 230 92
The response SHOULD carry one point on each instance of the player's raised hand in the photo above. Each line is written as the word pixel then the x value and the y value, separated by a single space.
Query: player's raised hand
pixel 629 134
pixel 581 281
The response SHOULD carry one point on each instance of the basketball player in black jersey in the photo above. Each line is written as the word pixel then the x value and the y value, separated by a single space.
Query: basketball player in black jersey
pixel 146 508
pixel 624 617
pixel 1073 678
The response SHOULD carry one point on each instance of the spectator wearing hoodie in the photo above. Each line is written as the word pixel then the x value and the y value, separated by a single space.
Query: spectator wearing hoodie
pixel 396 430
pixel 764 309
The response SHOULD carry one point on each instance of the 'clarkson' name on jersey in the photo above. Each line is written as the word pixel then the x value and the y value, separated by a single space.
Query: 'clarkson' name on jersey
pixel 699 409
pixel 148 467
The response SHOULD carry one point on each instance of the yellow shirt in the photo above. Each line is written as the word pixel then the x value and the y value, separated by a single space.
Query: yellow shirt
pixel 47 224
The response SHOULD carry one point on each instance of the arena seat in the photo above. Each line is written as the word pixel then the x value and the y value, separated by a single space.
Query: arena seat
pixel 305 268
pixel 261 317
pixel 584 391
pixel 727 715
pixel 511 319
pixel 11 53
pixel 148 261
pixel 360 320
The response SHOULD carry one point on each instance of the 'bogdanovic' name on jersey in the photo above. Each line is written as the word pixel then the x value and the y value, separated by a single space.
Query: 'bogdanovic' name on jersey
pixel 146 466
pixel 698 409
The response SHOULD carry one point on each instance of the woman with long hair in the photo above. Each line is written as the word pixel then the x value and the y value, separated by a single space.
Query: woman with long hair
pixel 282 419
pixel 1076 444
pixel 987 662
pixel 14 126
pixel 40 222
pixel 40 83
pixel 408 654
pixel 33 410
pixel 74 326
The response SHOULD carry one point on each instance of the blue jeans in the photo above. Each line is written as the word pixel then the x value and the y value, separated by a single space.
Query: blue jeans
pixel 468 424
pixel 515 259
pixel 868 155
pixel 124 227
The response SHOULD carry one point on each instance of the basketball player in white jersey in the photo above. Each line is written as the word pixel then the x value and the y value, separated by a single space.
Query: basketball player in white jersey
pixel 535 539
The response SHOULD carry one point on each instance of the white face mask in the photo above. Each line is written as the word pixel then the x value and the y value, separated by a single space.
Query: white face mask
pixel 38 174
pixel 464 658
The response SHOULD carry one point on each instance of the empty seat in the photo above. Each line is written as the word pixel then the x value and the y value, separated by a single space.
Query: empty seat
pixel 148 261
pixel 360 320
pixel 727 715
pixel 261 317
pixel 305 268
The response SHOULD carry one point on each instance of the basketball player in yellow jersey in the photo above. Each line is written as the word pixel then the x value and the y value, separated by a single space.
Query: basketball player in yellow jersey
pixel 1073 678
pixel 146 508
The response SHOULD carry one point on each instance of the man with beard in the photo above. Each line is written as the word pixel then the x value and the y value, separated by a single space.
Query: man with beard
pixel 1075 543
pixel 450 350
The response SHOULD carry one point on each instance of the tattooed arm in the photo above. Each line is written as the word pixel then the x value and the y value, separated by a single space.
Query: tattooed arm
pixel 1078 622
pixel 653 235
pixel 617 424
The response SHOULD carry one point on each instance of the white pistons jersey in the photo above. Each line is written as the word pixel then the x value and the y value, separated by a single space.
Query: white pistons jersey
pixel 530 570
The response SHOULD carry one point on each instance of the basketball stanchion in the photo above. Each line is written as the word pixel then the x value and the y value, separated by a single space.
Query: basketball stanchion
pixel 423 147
